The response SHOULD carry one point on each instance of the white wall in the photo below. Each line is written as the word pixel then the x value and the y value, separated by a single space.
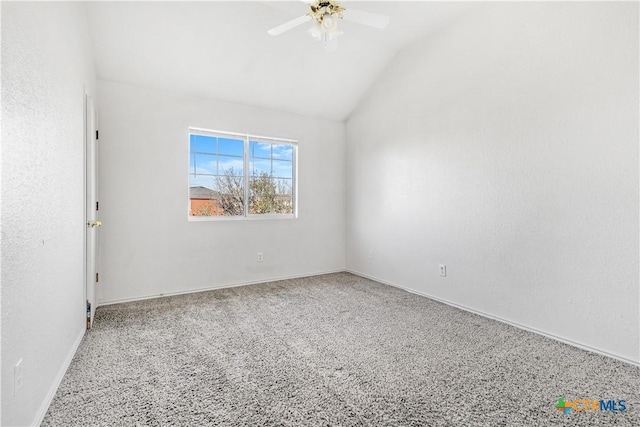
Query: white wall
pixel 506 147
pixel 147 246
pixel 45 64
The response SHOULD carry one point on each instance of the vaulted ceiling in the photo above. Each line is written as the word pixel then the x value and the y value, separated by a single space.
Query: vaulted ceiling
pixel 222 50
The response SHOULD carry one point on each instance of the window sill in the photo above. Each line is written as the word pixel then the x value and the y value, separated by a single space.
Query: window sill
pixel 241 218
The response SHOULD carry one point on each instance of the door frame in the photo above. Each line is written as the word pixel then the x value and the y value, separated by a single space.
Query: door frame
pixel 90 209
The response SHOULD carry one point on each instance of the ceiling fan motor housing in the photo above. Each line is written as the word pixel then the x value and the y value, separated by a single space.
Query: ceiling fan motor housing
pixel 322 8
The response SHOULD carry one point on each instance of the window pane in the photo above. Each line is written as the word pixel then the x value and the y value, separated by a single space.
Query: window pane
pixel 269 196
pixel 231 194
pixel 205 164
pixel 233 147
pixel 205 144
pixel 230 165
pixel 204 181
pixel 260 167
pixel 259 149
pixel 284 187
pixel 203 199
pixel 282 169
pixel 283 151
pixel 192 143
pixel 286 205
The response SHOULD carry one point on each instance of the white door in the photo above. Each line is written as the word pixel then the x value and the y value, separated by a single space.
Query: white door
pixel 92 208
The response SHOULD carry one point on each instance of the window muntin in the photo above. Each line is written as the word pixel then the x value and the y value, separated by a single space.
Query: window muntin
pixel 235 176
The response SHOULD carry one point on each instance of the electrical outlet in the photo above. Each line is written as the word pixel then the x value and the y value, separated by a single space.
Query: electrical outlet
pixel 18 378
pixel 260 257
pixel 370 254
pixel 443 270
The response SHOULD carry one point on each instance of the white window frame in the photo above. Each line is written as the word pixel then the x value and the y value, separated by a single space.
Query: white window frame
pixel 247 138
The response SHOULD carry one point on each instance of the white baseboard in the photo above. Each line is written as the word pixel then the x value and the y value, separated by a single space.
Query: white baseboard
pixel 56 383
pixel 212 288
pixel 499 319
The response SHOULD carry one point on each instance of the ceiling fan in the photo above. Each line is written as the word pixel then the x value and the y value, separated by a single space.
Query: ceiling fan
pixel 325 15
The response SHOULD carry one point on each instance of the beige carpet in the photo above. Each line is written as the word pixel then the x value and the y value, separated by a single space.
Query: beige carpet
pixel 332 350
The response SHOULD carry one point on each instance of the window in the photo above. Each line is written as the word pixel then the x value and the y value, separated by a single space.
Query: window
pixel 233 175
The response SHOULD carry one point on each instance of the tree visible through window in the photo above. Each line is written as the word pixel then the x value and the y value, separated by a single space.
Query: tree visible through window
pixel 233 175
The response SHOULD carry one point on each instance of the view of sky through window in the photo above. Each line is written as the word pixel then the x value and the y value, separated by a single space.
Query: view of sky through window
pixel 220 167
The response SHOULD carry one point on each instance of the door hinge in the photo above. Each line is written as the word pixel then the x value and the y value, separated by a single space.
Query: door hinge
pixel 97 135
pixel 97 206
pixel 97 277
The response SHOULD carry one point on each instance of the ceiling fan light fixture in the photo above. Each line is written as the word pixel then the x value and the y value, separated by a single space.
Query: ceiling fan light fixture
pixel 316 30
pixel 324 27
pixel 327 21
pixel 327 36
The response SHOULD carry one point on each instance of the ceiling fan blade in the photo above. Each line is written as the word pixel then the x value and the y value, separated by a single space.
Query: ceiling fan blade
pixel 289 25
pixel 366 18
